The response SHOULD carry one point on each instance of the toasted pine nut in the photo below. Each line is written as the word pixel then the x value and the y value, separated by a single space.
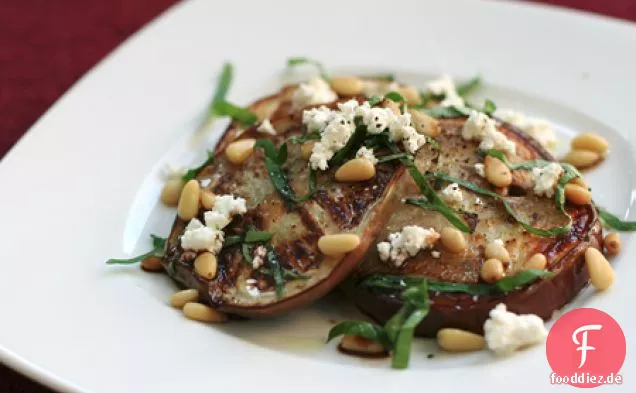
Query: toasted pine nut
pixel 457 340
pixel 179 299
pixel 497 251
pixel 347 85
pixel 151 264
pixel 579 181
pixel 306 149
pixel 577 195
pixel 453 240
pixel 171 192
pixel 600 270
pixel 492 270
pixel 207 199
pixel 201 312
pixel 582 158
pixel 205 265
pixel 334 245
pixel 238 151
pixel 425 124
pixel 497 173
pixel 538 261
pixel 590 141
pixel 612 243
pixel 357 169
pixel 361 346
pixel 189 201
pixel 411 94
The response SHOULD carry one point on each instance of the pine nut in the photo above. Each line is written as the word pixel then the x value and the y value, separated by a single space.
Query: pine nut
pixel 179 299
pixel 425 124
pixel 579 181
pixel 205 265
pixel 590 141
pixel 492 270
pixel 392 105
pixel 453 240
pixel 334 245
pixel 612 243
pixel 577 195
pixel 207 199
pixel 538 261
pixel 189 202
pixel 497 173
pixel 306 149
pixel 347 85
pixel 411 94
pixel 151 264
pixel 361 345
pixel 497 251
pixel 171 192
pixel 457 340
pixel 237 152
pixel 201 312
pixel 600 270
pixel 357 169
pixel 582 158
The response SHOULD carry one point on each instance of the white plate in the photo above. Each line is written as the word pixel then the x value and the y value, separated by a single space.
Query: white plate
pixel 82 186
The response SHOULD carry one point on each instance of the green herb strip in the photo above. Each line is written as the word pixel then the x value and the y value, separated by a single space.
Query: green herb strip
pixel 395 96
pixel 241 115
pixel 447 112
pixel 193 172
pixel 312 136
pixel 611 221
pixel 251 236
pixel 489 107
pixel 295 61
pixel 375 100
pixel 350 148
pixel 382 77
pixel 246 250
pixel 158 244
pixel 275 271
pixel 394 157
pixel 222 87
pixel 463 89
pixel 368 330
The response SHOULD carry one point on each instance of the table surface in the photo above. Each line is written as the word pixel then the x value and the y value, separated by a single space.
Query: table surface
pixel 45 46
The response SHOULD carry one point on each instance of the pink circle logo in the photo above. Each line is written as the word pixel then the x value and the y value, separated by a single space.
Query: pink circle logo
pixel 586 348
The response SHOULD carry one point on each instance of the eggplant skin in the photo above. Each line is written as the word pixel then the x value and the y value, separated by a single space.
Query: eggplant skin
pixel 565 254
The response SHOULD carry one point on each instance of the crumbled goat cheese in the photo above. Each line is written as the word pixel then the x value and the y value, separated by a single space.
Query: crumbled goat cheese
pixel 481 127
pixel 315 119
pixel 405 244
pixel 453 195
pixel 372 87
pixel 378 119
pixel 314 92
pixel 210 236
pixel 205 182
pixel 266 128
pixel 539 129
pixel 498 242
pixel 435 254
pixel 169 171
pixel 546 178
pixel 367 154
pixel 402 130
pixel 259 257
pixel 505 332
pixel 480 170
pixel 445 85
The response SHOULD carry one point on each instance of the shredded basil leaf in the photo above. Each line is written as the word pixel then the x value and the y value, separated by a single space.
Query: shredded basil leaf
pixel 295 61
pixel 223 85
pixel 276 271
pixel 242 115
pixel 349 150
pixel 446 112
pixel 246 250
pixel 192 173
pixel 395 96
pixel 158 244
pixel 275 170
pixel 368 330
pixel 375 100
pixel 489 107
pixel 382 77
pixel 469 86
pixel 611 221
pixel 304 138
pixel 393 157
pixel 253 236
pixel 232 241
pixel 525 166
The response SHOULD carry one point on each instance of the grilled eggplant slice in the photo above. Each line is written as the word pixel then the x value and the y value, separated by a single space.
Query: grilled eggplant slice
pixel 490 221
pixel 358 208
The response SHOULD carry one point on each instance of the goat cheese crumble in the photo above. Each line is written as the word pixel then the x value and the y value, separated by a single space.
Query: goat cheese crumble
pixel 367 154
pixel 266 128
pixel 405 244
pixel 505 332
pixel 453 195
pixel 315 91
pixel 480 169
pixel 480 126
pixel 539 129
pixel 259 257
pixel 210 236
pixel 546 178
pixel 445 85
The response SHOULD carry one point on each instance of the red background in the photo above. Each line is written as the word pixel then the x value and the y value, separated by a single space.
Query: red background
pixel 45 46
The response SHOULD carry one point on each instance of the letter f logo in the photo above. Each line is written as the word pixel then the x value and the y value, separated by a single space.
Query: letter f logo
pixel 584 347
